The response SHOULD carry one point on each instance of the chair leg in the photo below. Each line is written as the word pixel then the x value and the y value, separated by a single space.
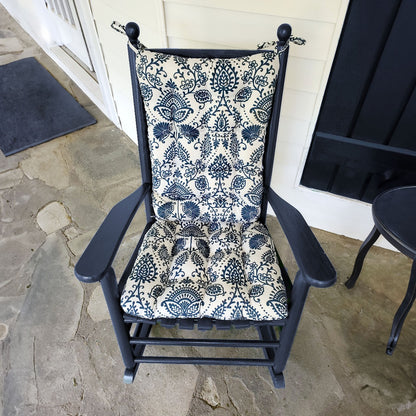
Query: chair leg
pixel 370 240
pixel 288 332
pixel 267 333
pixel 112 298
pixel 142 331
pixel 129 375
pixel 402 311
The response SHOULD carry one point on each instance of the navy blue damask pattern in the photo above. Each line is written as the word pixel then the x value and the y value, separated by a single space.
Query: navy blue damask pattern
pixel 207 120
pixel 192 270
pixel 206 255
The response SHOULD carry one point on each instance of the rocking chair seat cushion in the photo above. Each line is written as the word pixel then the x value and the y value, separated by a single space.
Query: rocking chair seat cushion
pixel 226 271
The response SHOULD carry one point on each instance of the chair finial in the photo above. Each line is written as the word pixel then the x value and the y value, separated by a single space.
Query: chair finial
pixel 283 32
pixel 133 32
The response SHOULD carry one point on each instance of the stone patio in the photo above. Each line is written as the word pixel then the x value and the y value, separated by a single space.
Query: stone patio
pixel 59 355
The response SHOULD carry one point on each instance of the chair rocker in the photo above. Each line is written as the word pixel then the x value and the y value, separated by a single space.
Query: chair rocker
pixel 207 125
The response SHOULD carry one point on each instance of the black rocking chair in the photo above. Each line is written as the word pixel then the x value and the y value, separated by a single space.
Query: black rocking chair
pixel 207 124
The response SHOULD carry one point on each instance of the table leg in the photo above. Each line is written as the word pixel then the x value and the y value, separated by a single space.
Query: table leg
pixel 402 311
pixel 370 240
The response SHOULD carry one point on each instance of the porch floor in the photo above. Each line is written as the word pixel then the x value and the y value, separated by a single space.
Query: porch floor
pixel 58 352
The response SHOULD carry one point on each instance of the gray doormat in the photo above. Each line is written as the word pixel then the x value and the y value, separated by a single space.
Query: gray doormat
pixel 34 107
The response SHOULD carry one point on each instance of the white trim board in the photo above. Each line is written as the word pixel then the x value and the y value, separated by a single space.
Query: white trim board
pixel 97 58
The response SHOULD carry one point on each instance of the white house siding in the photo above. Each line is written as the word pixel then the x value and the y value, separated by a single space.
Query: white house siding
pixel 149 15
pixel 243 24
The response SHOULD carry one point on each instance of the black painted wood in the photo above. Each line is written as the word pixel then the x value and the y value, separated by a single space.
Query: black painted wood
pixel 362 41
pixel 393 213
pixel 402 312
pixel 404 133
pixel 369 98
pixel 357 154
pixel 132 29
pixel 392 81
pixel 388 93
pixel 271 133
pixel 313 263
pixel 359 261
pixel 349 182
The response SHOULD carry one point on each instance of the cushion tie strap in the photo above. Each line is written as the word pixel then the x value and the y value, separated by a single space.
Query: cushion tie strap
pixel 274 43
pixel 118 27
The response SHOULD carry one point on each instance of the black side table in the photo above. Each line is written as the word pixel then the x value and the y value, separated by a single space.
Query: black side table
pixel 394 213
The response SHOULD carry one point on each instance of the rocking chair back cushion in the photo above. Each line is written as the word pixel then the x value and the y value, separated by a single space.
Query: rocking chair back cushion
pixel 207 255
pixel 206 121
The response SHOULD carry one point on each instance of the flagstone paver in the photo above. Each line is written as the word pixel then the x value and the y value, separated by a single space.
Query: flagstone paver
pixel 53 217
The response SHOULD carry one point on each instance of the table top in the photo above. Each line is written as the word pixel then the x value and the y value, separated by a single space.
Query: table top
pixel 394 214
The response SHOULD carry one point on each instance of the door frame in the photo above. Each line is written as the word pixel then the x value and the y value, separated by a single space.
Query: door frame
pixel 63 16
pixel 99 91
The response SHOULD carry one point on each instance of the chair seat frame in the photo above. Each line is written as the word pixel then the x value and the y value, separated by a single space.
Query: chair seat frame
pixel 133 334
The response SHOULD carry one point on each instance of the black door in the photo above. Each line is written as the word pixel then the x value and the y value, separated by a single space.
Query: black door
pixel 365 138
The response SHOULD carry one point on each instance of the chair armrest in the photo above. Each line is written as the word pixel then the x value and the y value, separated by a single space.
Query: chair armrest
pixel 100 252
pixel 313 263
